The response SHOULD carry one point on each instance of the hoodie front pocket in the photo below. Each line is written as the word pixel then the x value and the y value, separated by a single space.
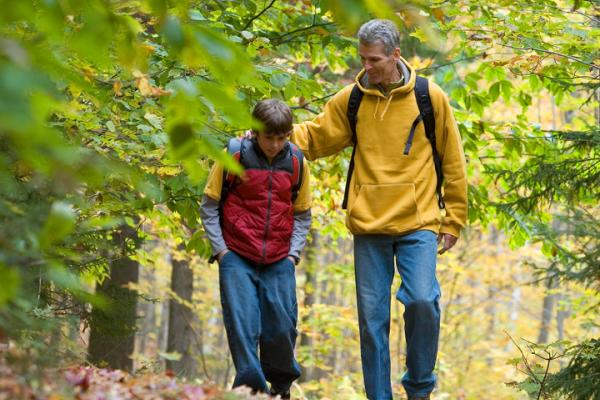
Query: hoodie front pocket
pixel 388 208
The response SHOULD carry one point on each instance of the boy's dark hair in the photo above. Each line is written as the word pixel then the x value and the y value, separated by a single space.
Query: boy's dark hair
pixel 275 116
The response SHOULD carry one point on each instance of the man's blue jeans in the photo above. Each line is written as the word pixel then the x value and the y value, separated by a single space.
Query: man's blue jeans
pixel 260 309
pixel 415 255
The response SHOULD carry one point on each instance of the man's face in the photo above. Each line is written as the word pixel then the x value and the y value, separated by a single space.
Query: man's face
pixel 381 68
pixel 271 143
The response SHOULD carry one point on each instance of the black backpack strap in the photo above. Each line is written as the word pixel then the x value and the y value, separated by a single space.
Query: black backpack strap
pixel 235 148
pixel 427 116
pixel 298 169
pixel 353 104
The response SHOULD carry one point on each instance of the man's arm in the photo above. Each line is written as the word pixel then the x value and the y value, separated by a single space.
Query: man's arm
pixel 449 146
pixel 329 132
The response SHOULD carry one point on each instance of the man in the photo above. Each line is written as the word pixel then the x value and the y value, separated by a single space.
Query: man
pixel 393 208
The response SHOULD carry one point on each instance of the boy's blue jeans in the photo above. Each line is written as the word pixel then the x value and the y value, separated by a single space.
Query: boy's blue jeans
pixel 260 309
pixel 415 255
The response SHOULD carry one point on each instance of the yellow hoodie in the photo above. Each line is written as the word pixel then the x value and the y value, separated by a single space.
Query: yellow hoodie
pixel 393 193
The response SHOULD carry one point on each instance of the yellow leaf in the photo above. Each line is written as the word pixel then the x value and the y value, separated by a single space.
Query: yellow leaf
pixel 157 91
pixel 148 48
pixel 117 85
pixel 144 86
pixel 438 14
pixel 407 18
pixel 88 73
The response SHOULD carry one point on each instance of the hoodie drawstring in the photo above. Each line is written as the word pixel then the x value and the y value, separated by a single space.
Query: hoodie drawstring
pixel 376 108
pixel 387 104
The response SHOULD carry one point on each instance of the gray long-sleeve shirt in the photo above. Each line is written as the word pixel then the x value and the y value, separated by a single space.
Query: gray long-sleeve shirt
pixel 209 212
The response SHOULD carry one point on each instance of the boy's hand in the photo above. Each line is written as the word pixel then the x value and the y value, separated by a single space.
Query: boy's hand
pixel 221 254
pixel 292 259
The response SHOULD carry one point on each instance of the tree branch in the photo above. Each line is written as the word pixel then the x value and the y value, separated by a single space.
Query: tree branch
pixel 553 53
pixel 306 28
pixel 434 67
pixel 524 358
pixel 305 107
pixel 255 17
pixel 320 98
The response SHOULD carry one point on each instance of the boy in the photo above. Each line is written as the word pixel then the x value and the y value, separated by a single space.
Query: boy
pixel 257 227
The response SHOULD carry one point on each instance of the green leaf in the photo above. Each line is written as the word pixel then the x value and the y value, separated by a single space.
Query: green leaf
pixel 535 82
pixel 279 80
pixel 247 35
pixel 196 15
pixel 524 99
pixel 181 140
pixel 64 278
pixel 174 33
pixel 532 388
pixel 494 91
pixel 199 244
pixel 472 80
pixel 60 222
pixel 9 284
pixel 153 119
pixel 506 88
pixel 514 361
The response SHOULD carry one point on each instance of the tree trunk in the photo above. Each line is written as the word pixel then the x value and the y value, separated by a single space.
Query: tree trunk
pixel 163 328
pixel 112 330
pixel 147 314
pixel 180 318
pixel 490 309
pixel 547 311
pixel 561 315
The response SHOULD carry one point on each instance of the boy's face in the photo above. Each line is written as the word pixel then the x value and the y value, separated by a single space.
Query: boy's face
pixel 271 143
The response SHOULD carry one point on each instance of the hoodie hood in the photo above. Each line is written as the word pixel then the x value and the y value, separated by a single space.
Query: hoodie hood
pixel 407 85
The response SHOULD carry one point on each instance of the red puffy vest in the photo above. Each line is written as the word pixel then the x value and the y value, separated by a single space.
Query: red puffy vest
pixel 257 214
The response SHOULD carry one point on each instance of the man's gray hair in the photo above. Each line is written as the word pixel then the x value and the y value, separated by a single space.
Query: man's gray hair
pixel 380 30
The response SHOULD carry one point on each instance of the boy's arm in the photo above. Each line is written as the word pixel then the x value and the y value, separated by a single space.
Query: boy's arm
pixel 302 215
pixel 210 213
pixel 302 221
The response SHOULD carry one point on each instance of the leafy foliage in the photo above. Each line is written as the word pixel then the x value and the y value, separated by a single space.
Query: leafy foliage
pixel 111 111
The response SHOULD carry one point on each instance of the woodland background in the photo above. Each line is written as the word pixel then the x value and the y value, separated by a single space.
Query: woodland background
pixel 112 111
